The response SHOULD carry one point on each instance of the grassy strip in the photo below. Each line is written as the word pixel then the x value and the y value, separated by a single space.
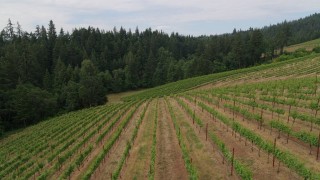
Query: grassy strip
pixel 116 173
pixel 187 160
pixel 187 84
pixel 243 171
pixel 154 143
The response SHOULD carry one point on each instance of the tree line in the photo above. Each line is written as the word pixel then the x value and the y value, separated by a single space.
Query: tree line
pixel 50 71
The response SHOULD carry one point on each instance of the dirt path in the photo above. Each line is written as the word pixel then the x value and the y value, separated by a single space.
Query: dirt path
pixel 169 163
pixel 261 168
pixel 206 157
pixel 111 162
pixel 137 165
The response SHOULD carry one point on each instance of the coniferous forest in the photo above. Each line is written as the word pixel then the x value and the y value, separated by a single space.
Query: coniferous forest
pixel 50 71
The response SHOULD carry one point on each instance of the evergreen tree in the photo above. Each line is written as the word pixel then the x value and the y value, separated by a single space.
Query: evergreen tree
pixel 59 75
pixel 122 60
pixel 149 69
pixel 106 79
pixel 256 44
pixel 283 36
pixel 131 71
pixel 236 55
pixel 52 36
pixel 31 104
pixel 1 127
pixel 118 82
pixel 19 30
pixel 47 81
pixel 160 74
pixel 91 90
pixel 9 31
pixel 73 101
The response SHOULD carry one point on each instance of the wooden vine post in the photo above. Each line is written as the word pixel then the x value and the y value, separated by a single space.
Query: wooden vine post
pixel 261 116
pixel 315 88
pixel 252 145
pixel 234 105
pixel 232 160
pixel 310 145
pixel 289 113
pixel 194 114
pixel 207 132
pixel 318 147
pixel 274 150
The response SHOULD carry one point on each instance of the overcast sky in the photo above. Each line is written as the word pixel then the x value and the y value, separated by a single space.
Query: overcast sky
pixel 194 17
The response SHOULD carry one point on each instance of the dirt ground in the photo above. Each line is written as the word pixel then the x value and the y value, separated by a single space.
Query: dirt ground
pixel 296 146
pixel 169 163
pixel 138 162
pixel 98 148
pixel 262 169
pixel 112 159
pixel 205 155
pixel 300 150
pixel 83 148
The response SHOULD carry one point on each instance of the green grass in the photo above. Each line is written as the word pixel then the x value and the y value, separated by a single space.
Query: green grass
pixel 262 71
pixel 309 45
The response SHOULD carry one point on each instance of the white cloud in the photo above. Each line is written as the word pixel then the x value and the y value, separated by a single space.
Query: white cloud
pixel 169 15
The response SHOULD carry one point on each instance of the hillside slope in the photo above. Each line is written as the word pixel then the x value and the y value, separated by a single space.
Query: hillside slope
pixel 63 67
pixel 309 45
pixel 242 111
pixel 295 67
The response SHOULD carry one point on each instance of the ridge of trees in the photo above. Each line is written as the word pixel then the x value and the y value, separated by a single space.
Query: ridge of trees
pixel 46 72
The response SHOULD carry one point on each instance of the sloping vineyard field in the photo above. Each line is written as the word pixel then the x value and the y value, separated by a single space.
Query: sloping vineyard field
pixel 257 123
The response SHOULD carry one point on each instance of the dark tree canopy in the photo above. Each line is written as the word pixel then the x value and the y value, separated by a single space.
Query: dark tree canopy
pixel 52 71
pixel 30 104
